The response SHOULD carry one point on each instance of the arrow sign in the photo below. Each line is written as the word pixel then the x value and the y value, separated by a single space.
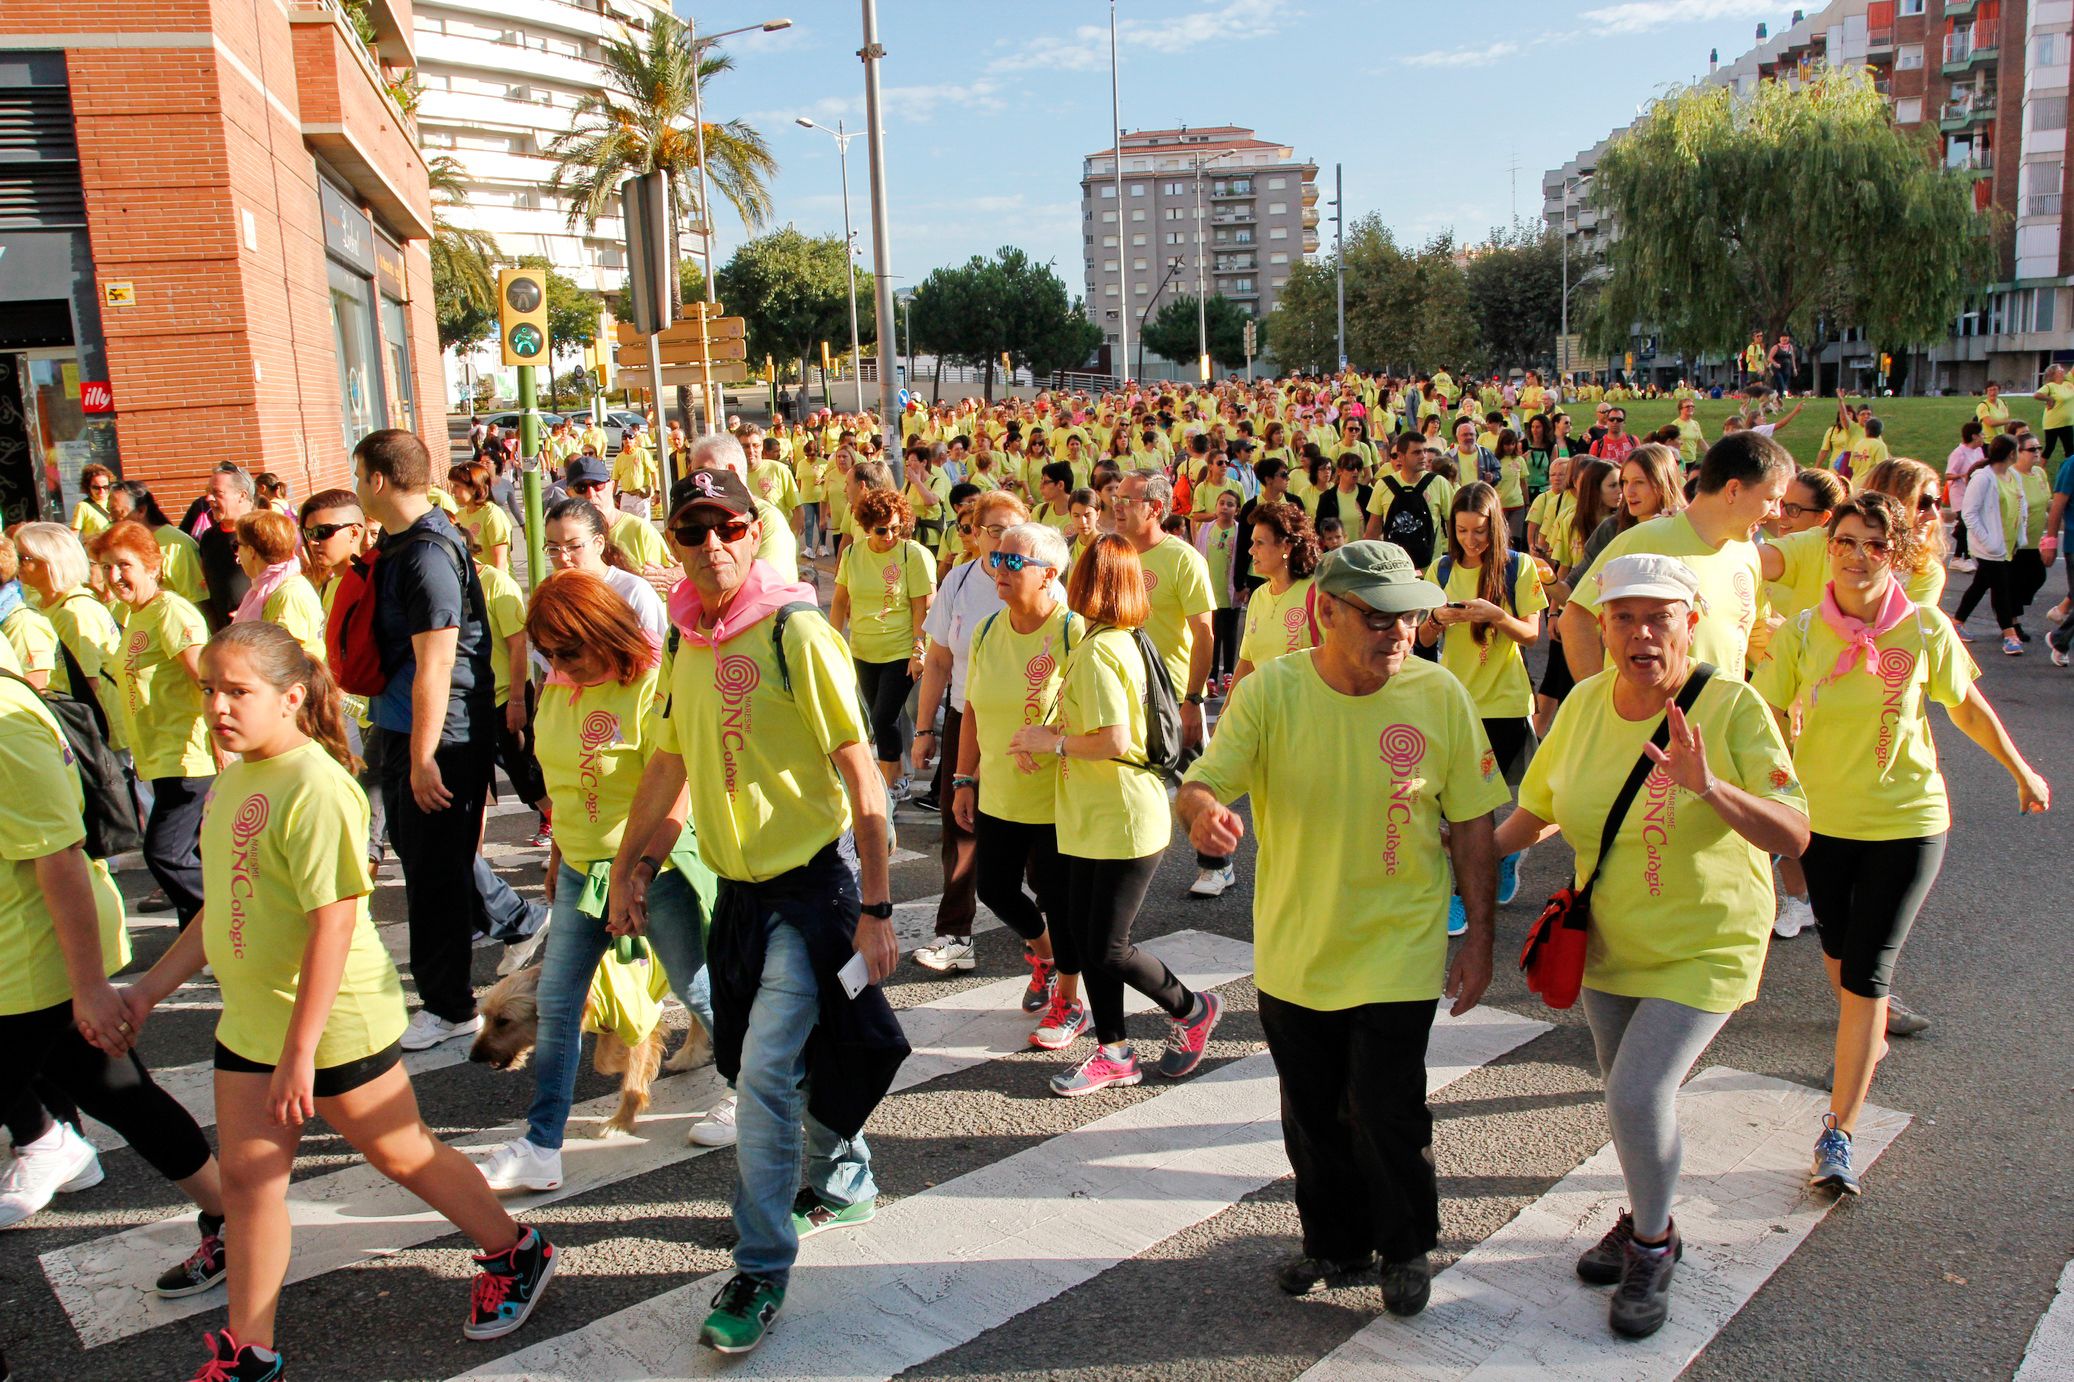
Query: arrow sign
pixel 717 328
pixel 636 376
pixel 676 352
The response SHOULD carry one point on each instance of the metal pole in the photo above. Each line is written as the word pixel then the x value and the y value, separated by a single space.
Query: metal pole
pixel 1339 256
pixel 1563 332
pixel 881 248
pixel 907 324
pixel 842 155
pixel 1123 263
pixel 1202 292
pixel 698 123
pixel 529 474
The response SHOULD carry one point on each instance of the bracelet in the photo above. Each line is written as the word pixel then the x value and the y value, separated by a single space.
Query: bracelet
pixel 655 865
pixel 1712 787
pixel 960 780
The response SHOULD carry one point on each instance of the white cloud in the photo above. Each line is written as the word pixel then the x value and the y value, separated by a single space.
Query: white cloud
pixel 910 104
pixel 1087 49
pixel 1640 16
pixel 1462 57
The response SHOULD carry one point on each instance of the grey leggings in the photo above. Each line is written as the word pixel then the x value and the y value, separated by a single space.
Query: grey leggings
pixel 1646 1047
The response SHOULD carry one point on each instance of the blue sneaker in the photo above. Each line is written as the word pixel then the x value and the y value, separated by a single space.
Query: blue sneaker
pixel 1833 1159
pixel 1508 877
pixel 1457 916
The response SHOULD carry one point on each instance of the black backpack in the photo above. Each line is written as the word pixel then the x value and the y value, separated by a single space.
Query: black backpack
pixel 107 811
pixel 778 622
pixel 1163 752
pixel 1409 521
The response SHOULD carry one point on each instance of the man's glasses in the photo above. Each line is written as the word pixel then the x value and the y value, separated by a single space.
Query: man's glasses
pixel 325 532
pixel 1379 620
pixel 1874 549
pixel 1014 562
pixel 587 486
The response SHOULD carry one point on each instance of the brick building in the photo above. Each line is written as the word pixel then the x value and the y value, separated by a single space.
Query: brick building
pixel 216 212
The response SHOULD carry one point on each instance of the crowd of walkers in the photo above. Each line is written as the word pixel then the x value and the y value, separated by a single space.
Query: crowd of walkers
pixel 1065 625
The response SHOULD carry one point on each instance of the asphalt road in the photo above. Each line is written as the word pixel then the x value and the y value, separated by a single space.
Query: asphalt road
pixel 1942 1269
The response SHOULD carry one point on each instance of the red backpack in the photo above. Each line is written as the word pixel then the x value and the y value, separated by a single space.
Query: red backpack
pixel 349 641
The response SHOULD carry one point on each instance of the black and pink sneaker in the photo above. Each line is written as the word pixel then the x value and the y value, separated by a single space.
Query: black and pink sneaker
pixel 1044 981
pixel 509 1285
pixel 1188 1037
pixel 230 1361
pixel 204 1268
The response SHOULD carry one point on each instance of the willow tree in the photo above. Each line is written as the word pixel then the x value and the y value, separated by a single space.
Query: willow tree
pixel 1746 212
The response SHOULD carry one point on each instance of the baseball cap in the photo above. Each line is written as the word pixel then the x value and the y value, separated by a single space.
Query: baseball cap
pixel 715 489
pixel 1647 576
pixel 1379 575
pixel 586 470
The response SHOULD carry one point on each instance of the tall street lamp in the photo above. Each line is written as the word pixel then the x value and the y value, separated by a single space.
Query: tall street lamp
pixel 1570 185
pixel 1202 291
pixel 842 139
pixel 1339 257
pixel 1123 253
pixel 1173 267
pixel 698 122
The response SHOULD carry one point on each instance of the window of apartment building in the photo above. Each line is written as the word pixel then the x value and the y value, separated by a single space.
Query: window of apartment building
pixel 1108 242
pixel 2048 50
pixel 1108 192
pixel 1173 237
pixel 1174 189
pixel 1175 213
pixel 1108 218
pixel 1242 285
pixel 1908 57
pixel 1108 266
pixel 1908 110
pixel 1137 189
pixel 1110 292
pixel 1278 259
pixel 1139 238
pixel 1910 7
pixel 2048 112
pixel 1138 266
pixel 2042 189
pixel 1277 208
pixel 1138 290
pixel 1138 213
pixel 1278 232
pixel 1277 184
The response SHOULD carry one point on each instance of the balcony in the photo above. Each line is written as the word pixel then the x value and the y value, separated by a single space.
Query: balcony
pixel 1879 43
pixel 2042 204
pixel 349 117
pixel 1235 264
pixel 1240 216
pixel 1220 191
pixel 1310 218
pixel 1978 159
pixel 1967 105
pixel 1961 54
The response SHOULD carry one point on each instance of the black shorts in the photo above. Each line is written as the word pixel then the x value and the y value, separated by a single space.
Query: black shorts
pixel 332 1080
pixel 1556 680
pixel 1866 894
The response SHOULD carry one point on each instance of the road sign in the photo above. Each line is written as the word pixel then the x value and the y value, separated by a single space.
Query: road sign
pixel 732 327
pixel 636 376
pixel 120 293
pixel 680 352
pixel 96 396
pixel 651 250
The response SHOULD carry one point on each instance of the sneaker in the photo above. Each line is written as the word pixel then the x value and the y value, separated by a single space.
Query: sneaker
pixel 926 800
pixel 1044 981
pixel 1457 916
pixel 1063 1023
pixel 1307 1274
pixel 203 1269
pixel 57 1163
pixel 742 1313
pixel 1098 1071
pixel 1833 1160
pixel 811 1214
pixel 948 954
pixel 519 953
pixel 536 917
pixel 898 792
pixel 428 1029
pixel 1962 564
pixel 1212 882
pixel 1642 1302
pixel 1407 1286
pixel 2056 649
pixel 1187 1038
pixel 519 1165
pixel 1903 1020
pixel 155 901
pixel 231 1362
pixel 2012 647
pixel 543 837
pixel 1508 878
pixel 509 1285
pixel 717 1128
pixel 1796 914
pixel 1964 637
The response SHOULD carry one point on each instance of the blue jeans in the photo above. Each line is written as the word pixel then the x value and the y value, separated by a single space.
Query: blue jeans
pixel 811 527
pixel 575 944
pixel 771 1111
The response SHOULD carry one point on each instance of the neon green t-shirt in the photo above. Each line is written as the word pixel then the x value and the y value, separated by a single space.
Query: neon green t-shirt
pixel 487 526
pixel 86 628
pixel 161 701
pixel 774 483
pixel 295 607
pixel 1014 680
pixel 638 540
pixel 180 563
pixel 507 606
pixel 592 742
pixel 883 589
pixel 1494 672
pixel 1177 587
pixel 2038 501
pixel 1277 625
pixel 1220 547
pixel 34 640
pixel 2059 404
pixel 1730 578
pixel 1107 810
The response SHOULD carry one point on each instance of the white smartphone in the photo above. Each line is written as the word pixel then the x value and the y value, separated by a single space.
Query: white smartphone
pixel 855 976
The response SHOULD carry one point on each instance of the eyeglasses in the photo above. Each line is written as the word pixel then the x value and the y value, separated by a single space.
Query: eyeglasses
pixel 2030 448
pixel 587 486
pixel 692 533
pixel 1926 503
pixel 1800 510
pixel 569 549
pixel 1379 620
pixel 1874 549
pixel 568 654
pixel 1014 562
pixel 97 485
pixel 324 532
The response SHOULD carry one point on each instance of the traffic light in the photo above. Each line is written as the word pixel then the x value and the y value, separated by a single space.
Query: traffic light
pixel 1252 338
pixel 522 315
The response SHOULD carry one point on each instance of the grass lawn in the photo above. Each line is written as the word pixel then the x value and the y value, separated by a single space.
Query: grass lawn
pixel 1925 429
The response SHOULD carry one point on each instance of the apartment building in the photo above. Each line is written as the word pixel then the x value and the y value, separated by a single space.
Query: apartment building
pixel 1245 207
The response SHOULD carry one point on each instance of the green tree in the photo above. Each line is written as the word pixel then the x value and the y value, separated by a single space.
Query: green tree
pixel 1172 332
pixel 973 313
pixel 463 320
pixel 794 292
pixel 1741 212
pixel 1305 323
pixel 1515 288
pixel 691 280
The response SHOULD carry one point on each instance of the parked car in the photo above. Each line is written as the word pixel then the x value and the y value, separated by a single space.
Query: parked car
pixel 509 421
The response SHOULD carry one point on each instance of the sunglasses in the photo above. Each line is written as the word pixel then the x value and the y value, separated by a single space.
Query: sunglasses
pixel 889 532
pixel 587 486
pixel 98 485
pixel 692 533
pixel 1873 548
pixel 1014 562
pixel 564 654
pixel 324 532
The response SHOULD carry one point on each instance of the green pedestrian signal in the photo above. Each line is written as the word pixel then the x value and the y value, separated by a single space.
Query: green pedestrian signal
pixel 526 340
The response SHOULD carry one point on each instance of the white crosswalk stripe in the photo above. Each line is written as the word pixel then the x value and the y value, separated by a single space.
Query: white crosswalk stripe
pixel 1513 1307
pixel 348 1216
pixel 2050 1354
pixel 940 1268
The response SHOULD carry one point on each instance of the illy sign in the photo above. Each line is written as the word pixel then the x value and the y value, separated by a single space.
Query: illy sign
pixel 96 396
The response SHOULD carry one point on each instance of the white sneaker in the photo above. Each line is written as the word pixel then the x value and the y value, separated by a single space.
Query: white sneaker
pixel 520 952
pixel 58 1162
pixel 429 1029
pixel 1796 914
pixel 1212 882
pixel 717 1128
pixel 519 1165
pixel 949 953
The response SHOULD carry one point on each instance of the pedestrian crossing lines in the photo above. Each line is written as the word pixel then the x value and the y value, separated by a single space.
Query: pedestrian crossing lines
pixel 2050 1354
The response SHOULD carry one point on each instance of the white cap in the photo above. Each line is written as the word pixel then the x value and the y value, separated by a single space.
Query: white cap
pixel 1647 576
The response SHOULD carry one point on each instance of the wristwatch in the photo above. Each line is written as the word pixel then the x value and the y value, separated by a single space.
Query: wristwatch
pixel 1194 698
pixel 882 910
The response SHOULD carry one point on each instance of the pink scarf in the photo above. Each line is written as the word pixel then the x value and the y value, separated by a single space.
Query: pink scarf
pixel 270 580
pixel 1860 638
pixel 760 595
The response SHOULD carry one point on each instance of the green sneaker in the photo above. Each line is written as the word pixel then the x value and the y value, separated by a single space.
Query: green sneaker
pixel 810 1216
pixel 742 1313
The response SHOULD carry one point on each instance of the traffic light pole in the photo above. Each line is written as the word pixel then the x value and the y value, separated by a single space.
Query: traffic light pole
pixel 530 462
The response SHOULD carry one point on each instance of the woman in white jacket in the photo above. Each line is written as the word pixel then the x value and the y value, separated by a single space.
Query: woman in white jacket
pixel 1995 511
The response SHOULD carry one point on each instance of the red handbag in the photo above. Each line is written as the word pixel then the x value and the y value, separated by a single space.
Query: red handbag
pixel 1553 956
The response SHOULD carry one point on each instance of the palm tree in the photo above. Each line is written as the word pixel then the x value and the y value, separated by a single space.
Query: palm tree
pixel 642 121
pixel 463 258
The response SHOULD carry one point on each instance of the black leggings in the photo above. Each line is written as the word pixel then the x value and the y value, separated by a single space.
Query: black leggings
pixel 44 1046
pixel 885 687
pixel 1993 579
pixel 1225 627
pixel 1866 894
pixel 2062 437
pixel 1510 740
pixel 2027 573
pixel 1102 900
pixel 1010 851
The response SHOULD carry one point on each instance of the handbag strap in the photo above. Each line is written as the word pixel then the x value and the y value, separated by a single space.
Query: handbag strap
pixel 1688 696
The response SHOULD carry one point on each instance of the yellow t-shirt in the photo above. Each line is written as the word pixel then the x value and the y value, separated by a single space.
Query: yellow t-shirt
pixel 776 545
pixel 44 818
pixel 634 473
pixel 592 742
pixel 1107 810
pixel 764 797
pixel 809 478
pixel 1926 587
pixel 638 540
pixel 161 701
pixel 1277 625
pixel 1683 908
pixel 1806 573
pixel 487 526
pixel 1177 586
pixel 1992 415
pixel 883 589
pixel 507 606
pixel 1494 671
pixel 2059 404
pixel 1013 680
pixel 180 563
pixel 2038 498
pixel 1440 497
pixel 773 483
pixel 1730 578
pixel 86 628
pixel 89 520
pixel 34 640
pixel 282 837
pixel 1865 753
pixel 296 608
pixel 1351 789
pixel 1837 441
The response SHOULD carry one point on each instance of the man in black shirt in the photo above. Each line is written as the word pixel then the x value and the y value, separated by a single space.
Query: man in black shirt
pixel 230 497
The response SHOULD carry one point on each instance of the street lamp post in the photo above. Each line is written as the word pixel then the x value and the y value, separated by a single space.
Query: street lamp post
pixel 881 246
pixel 1173 267
pixel 1339 256
pixel 1202 291
pixel 1123 252
pixel 842 152
pixel 1563 338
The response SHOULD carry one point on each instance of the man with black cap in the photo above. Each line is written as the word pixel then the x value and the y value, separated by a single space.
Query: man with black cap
pixel 791 814
pixel 590 478
pixel 1355 753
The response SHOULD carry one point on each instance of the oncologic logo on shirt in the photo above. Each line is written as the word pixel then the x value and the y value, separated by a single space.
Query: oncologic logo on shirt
pixel 1402 748
pixel 244 827
pixel 734 677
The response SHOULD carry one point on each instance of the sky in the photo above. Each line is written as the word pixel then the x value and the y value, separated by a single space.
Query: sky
pixel 991 105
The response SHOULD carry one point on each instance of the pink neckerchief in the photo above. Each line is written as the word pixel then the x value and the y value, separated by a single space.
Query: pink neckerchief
pixel 762 594
pixel 1860 638
pixel 270 580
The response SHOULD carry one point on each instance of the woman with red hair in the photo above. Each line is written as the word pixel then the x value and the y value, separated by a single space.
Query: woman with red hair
pixel 280 593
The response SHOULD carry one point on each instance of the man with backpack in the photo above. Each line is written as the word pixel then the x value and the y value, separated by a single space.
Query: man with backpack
pixel 1410 503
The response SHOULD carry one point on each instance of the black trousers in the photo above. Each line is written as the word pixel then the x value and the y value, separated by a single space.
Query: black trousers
pixel 884 688
pixel 1993 579
pixel 959 903
pixel 1225 627
pixel 1866 894
pixel 173 841
pixel 438 852
pixel 44 1048
pixel 2061 437
pixel 1355 1121
pixel 2027 573
pixel 1102 900
pixel 1009 852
